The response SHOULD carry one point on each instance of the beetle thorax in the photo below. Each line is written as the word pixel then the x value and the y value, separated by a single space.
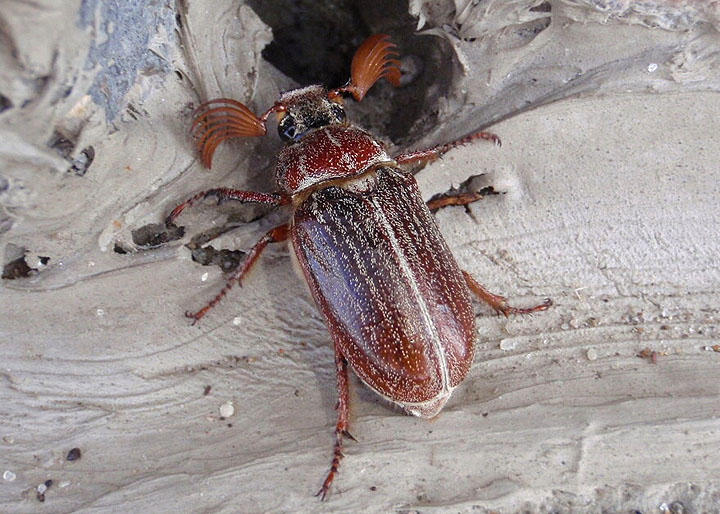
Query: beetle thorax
pixel 326 154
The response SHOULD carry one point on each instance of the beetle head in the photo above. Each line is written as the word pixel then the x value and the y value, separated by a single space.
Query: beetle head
pixel 300 110
pixel 306 109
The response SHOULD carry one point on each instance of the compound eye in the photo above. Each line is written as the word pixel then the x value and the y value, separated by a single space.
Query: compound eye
pixel 338 111
pixel 287 129
pixel 289 132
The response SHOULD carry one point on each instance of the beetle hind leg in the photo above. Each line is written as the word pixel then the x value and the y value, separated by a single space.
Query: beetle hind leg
pixel 453 199
pixel 275 235
pixel 224 193
pixel 341 428
pixel 499 303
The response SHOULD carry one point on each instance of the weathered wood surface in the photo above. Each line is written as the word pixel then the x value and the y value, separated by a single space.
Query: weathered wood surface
pixel 609 206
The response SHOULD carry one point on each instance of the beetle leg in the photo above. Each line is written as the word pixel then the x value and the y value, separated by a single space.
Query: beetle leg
pixel 430 154
pixel 276 235
pixel 224 193
pixel 456 199
pixel 343 408
pixel 499 303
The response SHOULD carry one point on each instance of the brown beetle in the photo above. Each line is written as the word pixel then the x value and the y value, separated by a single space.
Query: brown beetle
pixel 397 306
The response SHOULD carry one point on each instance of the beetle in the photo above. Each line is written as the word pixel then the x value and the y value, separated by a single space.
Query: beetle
pixel 396 304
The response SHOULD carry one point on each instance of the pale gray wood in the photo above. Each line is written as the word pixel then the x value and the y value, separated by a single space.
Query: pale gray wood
pixel 610 208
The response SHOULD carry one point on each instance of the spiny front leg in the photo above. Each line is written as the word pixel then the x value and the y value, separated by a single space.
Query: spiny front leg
pixel 499 303
pixel 341 428
pixel 453 199
pixel 275 235
pixel 430 154
pixel 224 193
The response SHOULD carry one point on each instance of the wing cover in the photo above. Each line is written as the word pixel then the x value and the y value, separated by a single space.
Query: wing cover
pixel 391 291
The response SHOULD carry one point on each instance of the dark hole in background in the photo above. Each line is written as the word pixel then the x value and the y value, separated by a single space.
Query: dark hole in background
pixel 154 235
pixel 543 7
pixel 314 42
pixel 17 268
pixel 5 103
pixel 65 146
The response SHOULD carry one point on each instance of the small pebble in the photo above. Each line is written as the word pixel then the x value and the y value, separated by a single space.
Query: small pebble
pixel 592 354
pixel 9 476
pixel 236 321
pixel 204 277
pixel 507 345
pixel 652 67
pixel 227 409
pixel 74 454
pixel 41 488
